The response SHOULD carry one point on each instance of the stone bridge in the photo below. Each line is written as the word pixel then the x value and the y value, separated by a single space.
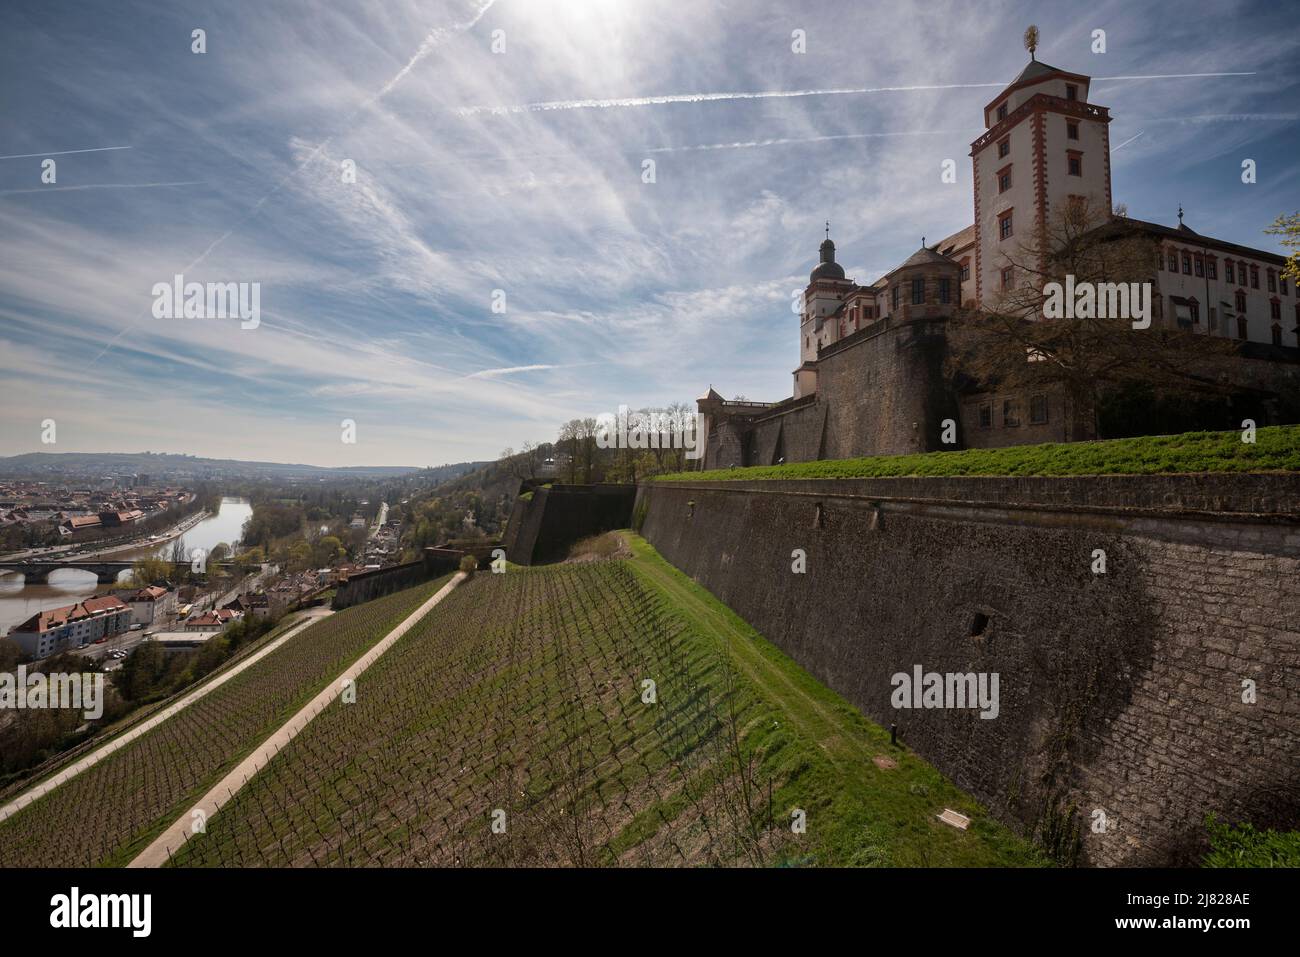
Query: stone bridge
pixel 106 572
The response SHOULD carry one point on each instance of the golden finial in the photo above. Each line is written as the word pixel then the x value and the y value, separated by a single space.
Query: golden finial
pixel 1031 40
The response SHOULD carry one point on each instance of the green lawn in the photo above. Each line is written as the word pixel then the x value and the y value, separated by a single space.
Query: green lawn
pixel 1275 449
pixel 821 748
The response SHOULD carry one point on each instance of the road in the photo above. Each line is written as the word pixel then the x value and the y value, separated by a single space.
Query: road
pixel 51 552
pixel 144 727
pixel 379 522
pixel 158 853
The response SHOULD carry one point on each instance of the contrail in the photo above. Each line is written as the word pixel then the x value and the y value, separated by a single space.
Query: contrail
pixel 751 144
pixel 511 370
pixel 97 149
pixel 602 104
pixel 432 40
pixel 633 101
pixel 591 104
pixel 435 37
pixel 1127 141
pixel 59 189
pixel 1169 76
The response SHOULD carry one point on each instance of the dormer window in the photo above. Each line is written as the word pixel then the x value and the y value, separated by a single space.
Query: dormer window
pixel 1002 111
pixel 1071 91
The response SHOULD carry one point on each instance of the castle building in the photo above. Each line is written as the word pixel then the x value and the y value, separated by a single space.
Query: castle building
pixel 870 377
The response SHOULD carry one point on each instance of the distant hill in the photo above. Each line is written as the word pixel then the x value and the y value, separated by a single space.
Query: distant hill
pixel 168 465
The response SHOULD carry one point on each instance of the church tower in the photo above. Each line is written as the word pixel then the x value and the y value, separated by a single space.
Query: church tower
pixel 1045 144
pixel 822 299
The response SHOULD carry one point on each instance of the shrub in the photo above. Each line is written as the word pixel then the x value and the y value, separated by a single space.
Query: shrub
pixel 1243 846
pixel 469 564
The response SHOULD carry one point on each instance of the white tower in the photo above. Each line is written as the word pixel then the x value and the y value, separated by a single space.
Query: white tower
pixel 1044 144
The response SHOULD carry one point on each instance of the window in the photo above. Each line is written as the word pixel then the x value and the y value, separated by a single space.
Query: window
pixel 1004 225
pixel 1071 91
pixel 1199 265
pixel 1173 261
pixel 1072 129
pixel 945 291
pixel 1254 277
pixel 893 298
pixel 1004 147
pixel 918 291
pixel 1007 278
pixel 986 415
pixel 1212 268
pixel 1187 264
pixel 1277 334
pixel 1004 180
pixel 1194 308
pixel 1241 327
pixel 1241 301
pixel 965 270
pixel 1010 413
pixel 1075 163
pixel 1272 281
pixel 1229 273
pixel 1002 111
pixel 1241 273
pixel 1275 310
pixel 1281 284
pixel 1038 409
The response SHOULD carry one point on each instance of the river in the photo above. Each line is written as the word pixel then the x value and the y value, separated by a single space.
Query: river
pixel 19 601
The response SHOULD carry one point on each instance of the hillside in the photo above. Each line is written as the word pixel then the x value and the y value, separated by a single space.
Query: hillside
pixel 162 464
pixel 521 701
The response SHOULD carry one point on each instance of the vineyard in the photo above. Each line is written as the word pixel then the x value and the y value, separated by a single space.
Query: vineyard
pixel 591 714
pixel 111 810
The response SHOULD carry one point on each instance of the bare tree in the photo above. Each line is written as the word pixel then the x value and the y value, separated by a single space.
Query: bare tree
pixel 1021 342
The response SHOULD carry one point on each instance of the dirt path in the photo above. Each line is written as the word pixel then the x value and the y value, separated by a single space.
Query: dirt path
pixel 157 853
pixel 144 727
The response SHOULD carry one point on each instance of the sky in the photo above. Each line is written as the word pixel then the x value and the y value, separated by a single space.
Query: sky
pixel 500 264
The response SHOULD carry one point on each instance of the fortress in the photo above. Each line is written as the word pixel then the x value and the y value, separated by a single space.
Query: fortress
pixel 871 377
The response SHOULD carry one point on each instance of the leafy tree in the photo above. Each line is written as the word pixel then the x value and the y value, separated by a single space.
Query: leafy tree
pixel 1288 227
pixel 146 571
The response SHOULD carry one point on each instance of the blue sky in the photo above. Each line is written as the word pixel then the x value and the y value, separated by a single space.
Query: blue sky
pixel 376 296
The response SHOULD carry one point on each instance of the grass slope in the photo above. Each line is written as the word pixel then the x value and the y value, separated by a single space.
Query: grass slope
pixel 822 748
pixel 1275 449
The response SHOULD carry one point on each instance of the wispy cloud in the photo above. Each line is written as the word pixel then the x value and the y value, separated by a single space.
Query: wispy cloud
pixel 378 295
